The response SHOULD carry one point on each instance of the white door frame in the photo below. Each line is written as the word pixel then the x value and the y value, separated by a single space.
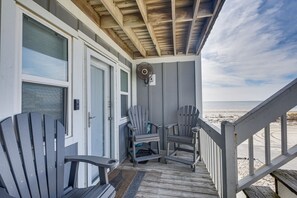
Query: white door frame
pixel 92 55
pixel 94 62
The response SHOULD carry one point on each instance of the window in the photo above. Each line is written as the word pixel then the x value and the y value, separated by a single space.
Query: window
pixel 45 68
pixel 125 92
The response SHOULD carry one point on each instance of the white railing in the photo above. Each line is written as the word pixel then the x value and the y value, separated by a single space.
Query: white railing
pixel 219 148
pixel 212 145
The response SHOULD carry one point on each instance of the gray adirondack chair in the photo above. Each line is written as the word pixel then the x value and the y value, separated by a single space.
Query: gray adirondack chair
pixel 184 135
pixel 142 133
pixel 32 161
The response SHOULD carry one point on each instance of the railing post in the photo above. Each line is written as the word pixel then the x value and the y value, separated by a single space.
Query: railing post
pixel 229 160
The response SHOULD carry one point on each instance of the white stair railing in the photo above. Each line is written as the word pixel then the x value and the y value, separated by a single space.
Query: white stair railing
pixel 219 148
pixel 212 145
pixel 257 119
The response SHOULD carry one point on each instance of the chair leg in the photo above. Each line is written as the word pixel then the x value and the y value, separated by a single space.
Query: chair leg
pixel 134 155
pixel 158 145
pixel 195 153
pixel 176 146
pixel 167 150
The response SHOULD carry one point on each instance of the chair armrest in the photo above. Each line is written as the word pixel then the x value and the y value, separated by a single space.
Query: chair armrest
pixel 95 160
pixel 170 125
pixel 155 125
pixel 4 194
pixel 195 129
pixel 131 127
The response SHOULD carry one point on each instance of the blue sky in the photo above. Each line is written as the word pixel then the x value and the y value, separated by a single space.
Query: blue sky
pixel 251 51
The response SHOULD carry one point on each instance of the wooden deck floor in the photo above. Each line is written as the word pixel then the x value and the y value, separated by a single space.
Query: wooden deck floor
pixel 173 180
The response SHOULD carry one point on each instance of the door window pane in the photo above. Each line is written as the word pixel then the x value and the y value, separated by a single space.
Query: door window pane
pixel 124 106
pixel 44 99
pixel 45 52
pixel 124 81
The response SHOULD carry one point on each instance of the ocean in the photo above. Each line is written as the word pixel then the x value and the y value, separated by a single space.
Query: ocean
pixel 231 105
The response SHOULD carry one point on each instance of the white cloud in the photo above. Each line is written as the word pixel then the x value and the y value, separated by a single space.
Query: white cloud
pixel 245 47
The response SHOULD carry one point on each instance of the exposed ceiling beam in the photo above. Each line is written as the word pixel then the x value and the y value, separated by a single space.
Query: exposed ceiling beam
pixel 143 10
pixel 206 29
pixel 191 29
pixel 119 18
pixel 88 10
pixel 173 26
pixel 182 14
pixel 129 20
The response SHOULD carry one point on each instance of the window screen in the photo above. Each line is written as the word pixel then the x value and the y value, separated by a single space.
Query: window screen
pixel 124 106
pixel 44 99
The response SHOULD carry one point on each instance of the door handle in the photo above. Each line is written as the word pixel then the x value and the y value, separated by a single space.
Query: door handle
pixel 90 118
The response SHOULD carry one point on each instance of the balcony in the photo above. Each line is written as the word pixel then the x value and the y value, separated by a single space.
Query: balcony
pixel 165 180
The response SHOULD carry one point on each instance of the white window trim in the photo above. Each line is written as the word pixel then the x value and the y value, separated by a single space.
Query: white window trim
pixel 128 70
pixel 69 139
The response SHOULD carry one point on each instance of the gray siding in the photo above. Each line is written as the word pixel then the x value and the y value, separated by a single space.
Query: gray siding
pixel 123 142
pixel 175 87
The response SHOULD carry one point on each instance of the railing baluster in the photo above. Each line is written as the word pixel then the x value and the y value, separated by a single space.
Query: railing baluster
pixel 284 138
pixel 251 155
pixel 267 145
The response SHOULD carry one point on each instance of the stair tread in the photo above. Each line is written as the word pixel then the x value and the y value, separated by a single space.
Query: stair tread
pixel 260 192
pixel 287 177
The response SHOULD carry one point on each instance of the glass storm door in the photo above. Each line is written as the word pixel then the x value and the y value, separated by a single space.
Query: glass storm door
pixel 98 113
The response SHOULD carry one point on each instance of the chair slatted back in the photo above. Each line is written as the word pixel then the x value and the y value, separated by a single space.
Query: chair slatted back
pixel 138 116
pixel 33 156
pixel 187 117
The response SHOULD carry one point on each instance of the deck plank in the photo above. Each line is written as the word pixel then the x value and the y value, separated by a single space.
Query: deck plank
pixel 173 180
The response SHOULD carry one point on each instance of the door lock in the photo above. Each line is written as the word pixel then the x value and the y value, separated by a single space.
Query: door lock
pixel 90 118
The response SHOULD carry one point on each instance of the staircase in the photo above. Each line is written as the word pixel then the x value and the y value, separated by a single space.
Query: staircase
pixel 285 180
pixel 260 119
pixel 219 148
pixel 285 186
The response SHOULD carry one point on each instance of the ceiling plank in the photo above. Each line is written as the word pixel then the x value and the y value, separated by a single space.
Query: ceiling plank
pixel 191 29
pixel 183 14
pixel 208 26
pixel 143 10
pixel 133 20
pixel 119 18
pixel 130 20
pixel 108 22
pixel 88 10
pixel 173 26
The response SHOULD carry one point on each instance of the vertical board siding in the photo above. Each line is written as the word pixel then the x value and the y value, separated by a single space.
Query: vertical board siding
pixel 170 92
pixel 175 87
pixel 186 83
pixel 43 3
pixel 142 94
pixel 123 142
pixel 66 17
pixel 155 100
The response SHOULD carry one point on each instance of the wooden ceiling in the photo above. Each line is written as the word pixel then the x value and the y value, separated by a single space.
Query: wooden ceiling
pixel 153 28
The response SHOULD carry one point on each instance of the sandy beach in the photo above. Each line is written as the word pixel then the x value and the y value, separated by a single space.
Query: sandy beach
pixel 216 117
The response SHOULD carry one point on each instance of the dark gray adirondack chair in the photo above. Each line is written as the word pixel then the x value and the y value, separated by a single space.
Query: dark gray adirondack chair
pixel 32 161
pixel 184 135
pixel 142 133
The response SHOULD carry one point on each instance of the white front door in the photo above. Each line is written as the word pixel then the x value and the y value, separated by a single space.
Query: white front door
pixel 98 137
